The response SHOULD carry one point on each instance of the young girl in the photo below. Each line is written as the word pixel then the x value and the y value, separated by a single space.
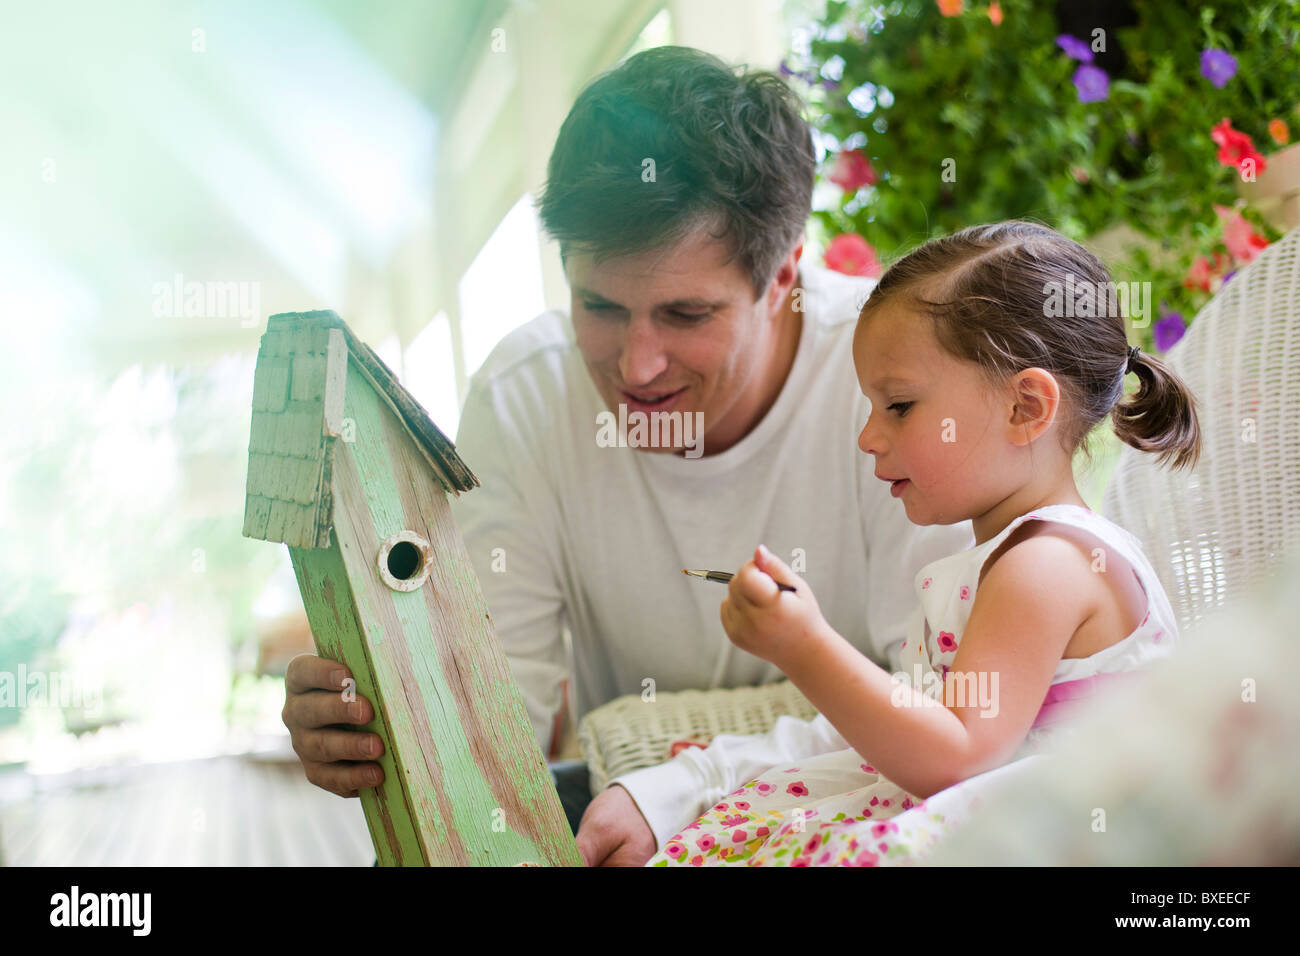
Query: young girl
pixel 987 356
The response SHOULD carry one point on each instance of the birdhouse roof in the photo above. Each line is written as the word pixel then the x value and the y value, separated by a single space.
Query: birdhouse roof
pixel 298 392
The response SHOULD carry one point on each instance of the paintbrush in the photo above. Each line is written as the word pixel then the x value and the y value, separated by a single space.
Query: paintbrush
pixel 722 577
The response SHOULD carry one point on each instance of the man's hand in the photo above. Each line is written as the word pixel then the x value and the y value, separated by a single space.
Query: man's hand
pixel 613 832
pixel 313 704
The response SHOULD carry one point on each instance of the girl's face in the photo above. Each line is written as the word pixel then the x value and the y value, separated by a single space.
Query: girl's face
pixel 938 431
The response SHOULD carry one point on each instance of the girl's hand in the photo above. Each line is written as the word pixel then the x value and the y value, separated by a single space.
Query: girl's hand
pixel 761 618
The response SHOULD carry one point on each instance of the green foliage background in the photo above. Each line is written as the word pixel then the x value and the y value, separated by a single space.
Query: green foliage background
pixel 999 100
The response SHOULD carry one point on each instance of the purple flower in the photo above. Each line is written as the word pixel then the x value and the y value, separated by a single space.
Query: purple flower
pixel 1092 83
pixel 1075 48
pixel 1169 330
pixel 1218 66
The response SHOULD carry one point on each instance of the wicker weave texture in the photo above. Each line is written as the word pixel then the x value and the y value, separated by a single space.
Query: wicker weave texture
pixel 1214 532
pixel 630 733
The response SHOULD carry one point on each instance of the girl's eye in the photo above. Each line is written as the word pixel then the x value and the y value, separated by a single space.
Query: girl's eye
pixel 900 407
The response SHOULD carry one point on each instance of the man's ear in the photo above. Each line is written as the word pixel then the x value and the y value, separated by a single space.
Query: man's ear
pixel 1035 398
pixel 787 274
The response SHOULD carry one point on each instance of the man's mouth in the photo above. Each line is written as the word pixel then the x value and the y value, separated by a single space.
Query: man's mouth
pixel 650 401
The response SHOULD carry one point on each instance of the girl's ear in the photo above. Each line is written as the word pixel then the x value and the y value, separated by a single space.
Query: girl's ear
pixel 1035 398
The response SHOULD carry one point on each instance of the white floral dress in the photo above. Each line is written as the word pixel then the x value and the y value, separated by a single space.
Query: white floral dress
pixel 835 809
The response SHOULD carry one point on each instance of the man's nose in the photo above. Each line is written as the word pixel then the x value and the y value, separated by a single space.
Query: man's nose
pixel 643 358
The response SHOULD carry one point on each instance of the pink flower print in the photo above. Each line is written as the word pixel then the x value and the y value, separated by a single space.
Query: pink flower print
pixel 739 836
pixel 907 803
pixel 1158 634
pixel 947 641
pixel 706 843
pixel 797 789
pixel 736 793
pixel 694 826
pixel 674 850
pixel 879 829
pixel 735 820
pixel 724 853
pixel 742 805
pixel 884 847
pixel 764 789
pixel 964 593
pixel 853 844
pixel 697 860
pixel 945 671
pixel 801 861
pixel 866 858
pixel 813 844
pixel 762 832
pixel 866 811
pixel 792 770
pixel 926 583
pixel 867 768
pixel 824 858
pixel 874 801
pixel 720 806
pixel 884 803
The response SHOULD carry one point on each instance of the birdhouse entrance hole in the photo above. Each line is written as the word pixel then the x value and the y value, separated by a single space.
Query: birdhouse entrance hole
pixel 403 561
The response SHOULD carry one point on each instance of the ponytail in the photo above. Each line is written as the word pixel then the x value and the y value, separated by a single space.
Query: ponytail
pixel 1161 416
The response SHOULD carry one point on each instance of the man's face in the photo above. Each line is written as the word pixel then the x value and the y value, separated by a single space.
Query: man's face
pixel 675 330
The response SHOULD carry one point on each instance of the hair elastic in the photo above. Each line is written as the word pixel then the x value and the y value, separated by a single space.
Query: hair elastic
pixel 1132 354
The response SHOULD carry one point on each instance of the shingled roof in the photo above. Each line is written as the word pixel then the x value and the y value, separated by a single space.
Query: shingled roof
pixel 298 391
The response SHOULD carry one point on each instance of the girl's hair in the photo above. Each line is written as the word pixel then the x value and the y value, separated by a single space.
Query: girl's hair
pixel 1007 296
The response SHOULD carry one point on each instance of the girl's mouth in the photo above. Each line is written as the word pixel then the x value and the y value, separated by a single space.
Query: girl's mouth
pixel 896 488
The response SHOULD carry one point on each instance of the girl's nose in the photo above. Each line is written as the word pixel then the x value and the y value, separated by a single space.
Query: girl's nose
pixel 643 358
pixel 870 439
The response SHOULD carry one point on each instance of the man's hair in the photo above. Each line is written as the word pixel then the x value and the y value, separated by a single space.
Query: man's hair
pixel 731 151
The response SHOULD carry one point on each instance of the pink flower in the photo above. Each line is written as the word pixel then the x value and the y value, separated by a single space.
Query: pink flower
pixel 1235 146
pixel 907 803
pixel 735 820
pixel 866 858
pixel 739 836
pixel 706 843
pixel 813 844
pixel 764 789
pixel 1203 273
pixel 852 171
pixel 867 768
pixel 850 254
pixel 762 832
pixel 1243 242
pixel 697 860
pixel 926 583
pixel 742 805
pixel 797 789
pixel 824 858
pixel 964 593
pixel 947 641
pixel 674 850
pixel 800 861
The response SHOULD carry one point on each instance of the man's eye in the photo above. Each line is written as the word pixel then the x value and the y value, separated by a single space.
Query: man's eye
pixel 691 315
pixel 900 407
pixel 596 307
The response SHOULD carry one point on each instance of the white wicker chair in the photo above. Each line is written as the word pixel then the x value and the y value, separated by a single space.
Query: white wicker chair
pixel 1214 532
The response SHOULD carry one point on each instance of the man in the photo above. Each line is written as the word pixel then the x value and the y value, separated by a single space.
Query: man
pixel 678 192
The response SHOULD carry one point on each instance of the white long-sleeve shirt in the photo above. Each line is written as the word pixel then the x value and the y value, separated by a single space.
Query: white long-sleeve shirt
pixel 565 531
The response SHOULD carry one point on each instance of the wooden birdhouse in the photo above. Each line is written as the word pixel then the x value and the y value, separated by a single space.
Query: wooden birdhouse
pixel 345 468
